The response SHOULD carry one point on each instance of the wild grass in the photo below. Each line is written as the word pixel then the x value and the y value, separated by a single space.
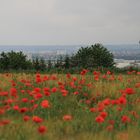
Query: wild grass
pixel 91 92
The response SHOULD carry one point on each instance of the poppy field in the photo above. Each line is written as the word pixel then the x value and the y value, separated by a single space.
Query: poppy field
pixel 85 106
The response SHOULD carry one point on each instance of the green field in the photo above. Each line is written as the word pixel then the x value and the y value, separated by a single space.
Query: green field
pixel 70 107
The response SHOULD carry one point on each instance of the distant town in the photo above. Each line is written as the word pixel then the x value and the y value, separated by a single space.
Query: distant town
pixel 124 55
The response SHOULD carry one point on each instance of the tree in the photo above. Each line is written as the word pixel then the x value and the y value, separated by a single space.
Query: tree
pixel 94 56
pixel 39 64
pixel 49 64
pixel 14 60
pixel 59 63
pixel 42 64
pixel 4 61
pixel 36 64
pixel 67 62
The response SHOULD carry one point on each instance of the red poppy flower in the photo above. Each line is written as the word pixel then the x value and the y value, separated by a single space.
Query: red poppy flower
pixel 74 78
pixel 99 119
pixel 93 109
pixel 137 85
pixel 37 119
pixel 45 78
pixel 37 89
pixel 68 75
pixel 42 129
pixel 106 101
pixel 24 100
pixel 103 114
pixel 64 92
pixel 125 119
pixel 26 118
pixel 54 89
pixel 122 100
pixel 108 72
pixel 5 122
pixel 76 93
pixel 83 72
pixel 2 111
pixel 47 93
pixel 45 104
pixel 46 89
pixel 67 117
pixel 129 91
pixel 16 107
pixel 13 92
pixel 38 96
pixel 110 128
pixel 23 110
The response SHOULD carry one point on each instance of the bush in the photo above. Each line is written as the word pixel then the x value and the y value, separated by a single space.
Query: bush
pixel 93 56
pixel 14 61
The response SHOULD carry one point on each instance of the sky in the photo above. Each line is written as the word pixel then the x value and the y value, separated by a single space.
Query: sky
pixel 69 22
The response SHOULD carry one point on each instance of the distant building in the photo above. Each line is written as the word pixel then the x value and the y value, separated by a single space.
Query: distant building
pixel 29 56
pixel 61 52
pixel 121 63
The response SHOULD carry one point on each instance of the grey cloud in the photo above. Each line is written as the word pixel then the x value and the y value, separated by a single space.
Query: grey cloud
pixel 29 22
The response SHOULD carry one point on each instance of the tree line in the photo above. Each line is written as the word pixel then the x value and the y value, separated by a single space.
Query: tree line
pixel 86 57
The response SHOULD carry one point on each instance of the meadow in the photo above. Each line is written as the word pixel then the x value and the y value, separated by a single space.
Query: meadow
pixel 84 106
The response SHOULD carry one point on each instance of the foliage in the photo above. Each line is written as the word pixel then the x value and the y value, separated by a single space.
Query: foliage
pixel 59 63
pixel 39 64
pixel 67 62
pixel 14 60
pixel 49 67
pixel 93 56
pixel 66 106
pixel 18 61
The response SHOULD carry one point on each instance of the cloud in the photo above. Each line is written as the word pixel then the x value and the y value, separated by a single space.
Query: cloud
pixel 43 22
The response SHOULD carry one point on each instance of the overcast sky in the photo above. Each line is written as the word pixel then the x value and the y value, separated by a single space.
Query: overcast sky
pixel 69 22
